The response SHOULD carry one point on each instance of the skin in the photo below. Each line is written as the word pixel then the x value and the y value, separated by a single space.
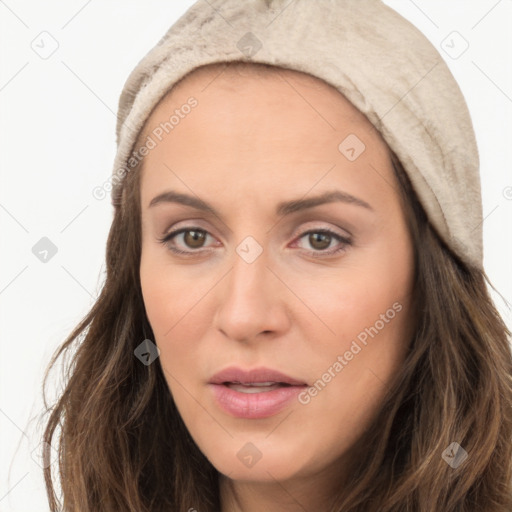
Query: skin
pixel 251 142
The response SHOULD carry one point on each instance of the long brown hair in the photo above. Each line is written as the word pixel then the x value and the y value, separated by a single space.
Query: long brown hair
pixel 124 447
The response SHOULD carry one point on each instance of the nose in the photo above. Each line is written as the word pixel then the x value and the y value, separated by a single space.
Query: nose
pixel 252 301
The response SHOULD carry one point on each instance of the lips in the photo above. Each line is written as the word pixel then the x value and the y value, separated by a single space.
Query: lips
pixel 254 394
pixel 255 376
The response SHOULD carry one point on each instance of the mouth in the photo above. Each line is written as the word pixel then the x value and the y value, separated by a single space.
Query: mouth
pixel 254 394
pixel 255 387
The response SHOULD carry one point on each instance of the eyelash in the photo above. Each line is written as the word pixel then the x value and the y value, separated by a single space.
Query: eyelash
pixel 316 254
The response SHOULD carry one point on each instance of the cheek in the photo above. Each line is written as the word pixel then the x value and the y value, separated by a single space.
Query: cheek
pixel 176 306
pixel 351 372
pixel 160 295
pixel 360 350
pixel 373 291
pixel 169 295
pixel 368 311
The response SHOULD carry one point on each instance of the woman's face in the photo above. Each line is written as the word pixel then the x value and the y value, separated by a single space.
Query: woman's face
pixel 300 264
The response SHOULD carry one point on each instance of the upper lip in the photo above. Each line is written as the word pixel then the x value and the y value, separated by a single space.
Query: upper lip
pixel 255 375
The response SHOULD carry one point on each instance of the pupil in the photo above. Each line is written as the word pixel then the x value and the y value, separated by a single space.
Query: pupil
pixel 196 239
pixel 315 237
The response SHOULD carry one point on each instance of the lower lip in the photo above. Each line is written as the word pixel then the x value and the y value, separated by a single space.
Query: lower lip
pixel 254 405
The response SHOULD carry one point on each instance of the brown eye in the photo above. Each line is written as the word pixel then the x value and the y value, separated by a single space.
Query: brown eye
pixel 194 238
pixel 319 240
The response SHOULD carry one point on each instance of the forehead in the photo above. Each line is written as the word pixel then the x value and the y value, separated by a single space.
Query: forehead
pixel 259 125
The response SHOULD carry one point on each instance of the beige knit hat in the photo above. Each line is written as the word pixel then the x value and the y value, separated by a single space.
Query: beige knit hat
pixel 381 63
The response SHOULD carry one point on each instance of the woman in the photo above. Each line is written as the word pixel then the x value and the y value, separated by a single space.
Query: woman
pixel 295 315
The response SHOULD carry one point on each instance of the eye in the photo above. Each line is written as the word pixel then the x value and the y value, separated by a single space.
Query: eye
pixel 195 237
pixel 320 240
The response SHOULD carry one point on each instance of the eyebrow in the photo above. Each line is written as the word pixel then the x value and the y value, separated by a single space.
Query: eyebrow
pixel 283 208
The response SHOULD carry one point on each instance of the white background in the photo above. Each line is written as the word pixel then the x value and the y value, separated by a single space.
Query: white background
pixel 57 122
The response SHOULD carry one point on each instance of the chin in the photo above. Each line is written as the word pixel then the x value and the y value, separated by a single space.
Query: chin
pixel 258 460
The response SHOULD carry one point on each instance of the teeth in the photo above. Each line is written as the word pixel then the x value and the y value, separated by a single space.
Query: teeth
pixel 263 384
pixel 255 387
